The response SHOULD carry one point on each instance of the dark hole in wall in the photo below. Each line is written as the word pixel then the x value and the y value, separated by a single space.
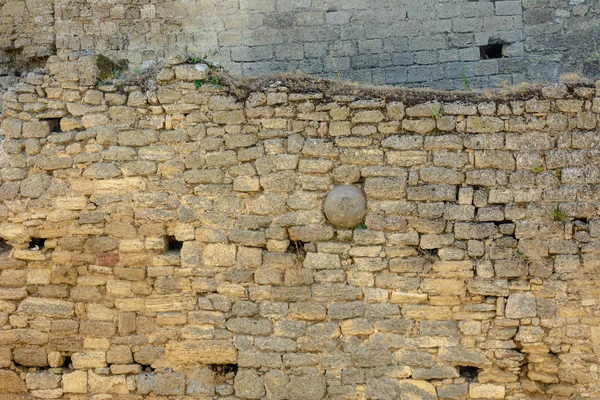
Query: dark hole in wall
pixel 428 252
pixel 468 372
pixel 67 363
pixel 147 368
pixel 504 222
pixel 224 369
pixel 37 244
pixel 4 247
pixel 297 247
pixel 491 51
pixel 173 244
pixel 54 124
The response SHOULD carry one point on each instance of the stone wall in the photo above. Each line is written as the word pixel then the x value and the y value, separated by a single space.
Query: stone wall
pixel 560 37
pixel 169 242
pixel 26 30
pixel 442 44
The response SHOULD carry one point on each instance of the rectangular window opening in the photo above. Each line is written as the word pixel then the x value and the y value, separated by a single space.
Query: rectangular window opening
pixel 54 124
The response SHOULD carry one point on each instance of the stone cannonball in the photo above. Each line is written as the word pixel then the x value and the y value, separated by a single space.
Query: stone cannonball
pixel 346 206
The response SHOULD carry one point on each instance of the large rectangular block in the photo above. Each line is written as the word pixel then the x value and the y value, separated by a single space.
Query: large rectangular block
pixel 201 352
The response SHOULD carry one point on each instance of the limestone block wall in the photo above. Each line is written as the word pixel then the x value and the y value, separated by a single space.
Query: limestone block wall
pixel 26 30
pixel 171 242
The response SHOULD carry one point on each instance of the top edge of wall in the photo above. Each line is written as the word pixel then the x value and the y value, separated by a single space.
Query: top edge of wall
pixel 90 70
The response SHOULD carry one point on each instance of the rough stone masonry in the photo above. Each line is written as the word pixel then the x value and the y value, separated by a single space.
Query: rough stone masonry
pixel 434 43
pixel 171 243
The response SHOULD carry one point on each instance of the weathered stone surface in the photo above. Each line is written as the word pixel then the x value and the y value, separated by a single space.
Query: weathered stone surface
pixel 385 188
pixel 34 186
pixel 307 387
pixel 432 193
pixel 345 206
pixel 170 302
pixel 107 384
pixel 10 382
pixel 382 388
pixel 486 391
pixel 414 389
pixel 102 171
pixel 321 261
pixel 36 129
pixel 462 356
pixel 249 326
pixel 201 382
pixel 219 255
pixel 192 72
pixel 201 352
pixel 489 287
pixel 89 359
pixel 521 305
pixel 249 385
pixel 46 307
pixel 31 357
pixel 75 382
pixel 42 380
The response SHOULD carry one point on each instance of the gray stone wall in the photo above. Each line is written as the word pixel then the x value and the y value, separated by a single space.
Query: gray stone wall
pixel 425 43
pixel 414 43
pixel 561 36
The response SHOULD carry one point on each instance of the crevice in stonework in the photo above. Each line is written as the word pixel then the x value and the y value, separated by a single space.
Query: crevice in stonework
pixel 296 247
pixel 147 368
pixel 430 255
pixel 5 248
pixel 174 244
pixel 37 244
pixel 493 50
pixel 67 363
pixel 54 124
pixel 224 372
pixel 468 372
pixel 503 222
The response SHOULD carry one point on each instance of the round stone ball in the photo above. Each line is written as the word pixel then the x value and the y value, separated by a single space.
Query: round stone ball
pixel 346 206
